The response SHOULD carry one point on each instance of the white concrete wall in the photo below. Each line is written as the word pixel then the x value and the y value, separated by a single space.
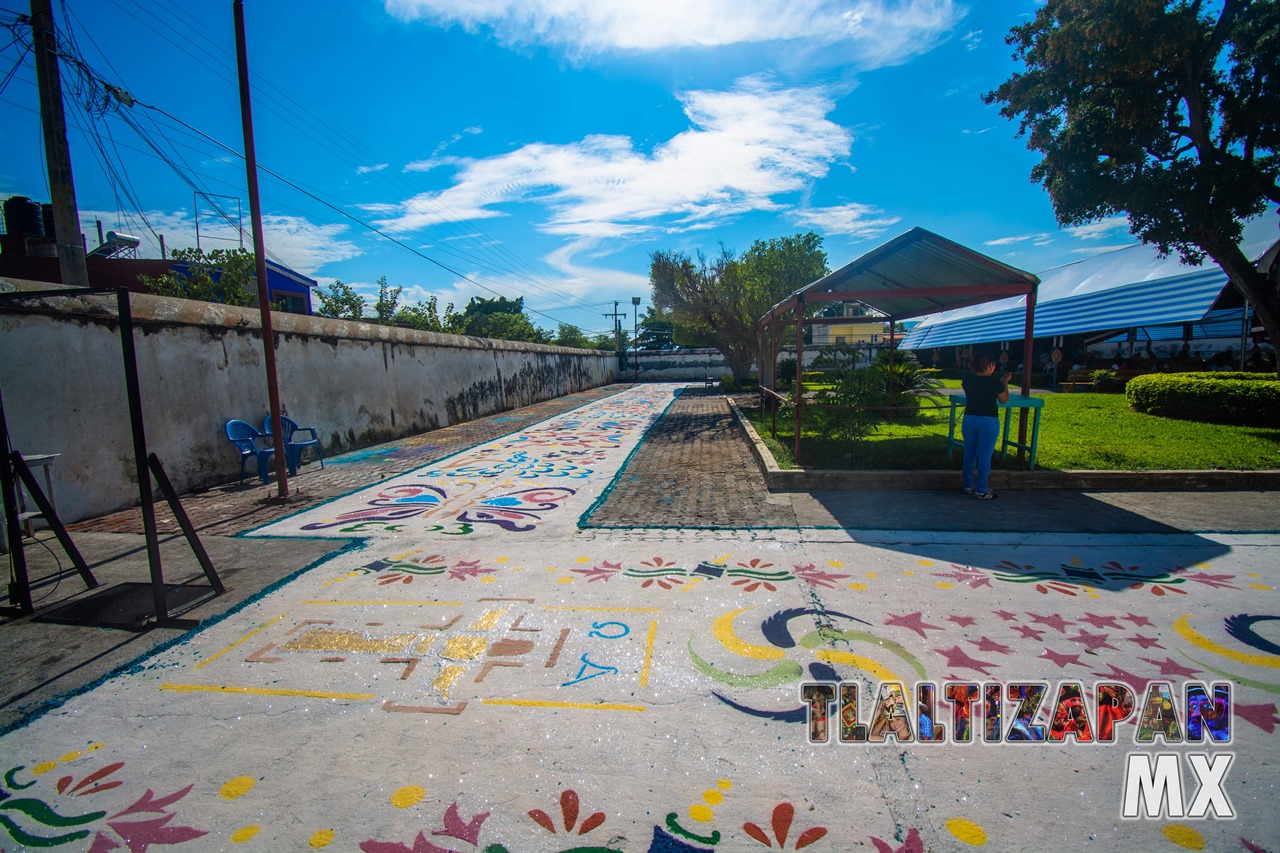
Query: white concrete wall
pixel 358 384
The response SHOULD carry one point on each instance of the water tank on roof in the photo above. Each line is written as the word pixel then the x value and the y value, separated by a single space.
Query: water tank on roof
pixel 22 217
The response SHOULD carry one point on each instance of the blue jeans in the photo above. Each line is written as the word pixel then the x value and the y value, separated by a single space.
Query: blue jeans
pixel 980 434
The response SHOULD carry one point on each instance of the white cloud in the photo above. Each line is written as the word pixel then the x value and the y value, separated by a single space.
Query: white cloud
pixel 466 131
pixel 744 146
pixel 876 33
pixel 856 220
pixel 305 246
pixel 1021 238
pixel 296 242
pixel 583 280
pixel 977 132
pixel 973 40
pixel 364 170
pixel 1100 229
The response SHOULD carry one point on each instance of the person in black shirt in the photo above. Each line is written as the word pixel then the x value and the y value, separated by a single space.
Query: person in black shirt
pixel 981 425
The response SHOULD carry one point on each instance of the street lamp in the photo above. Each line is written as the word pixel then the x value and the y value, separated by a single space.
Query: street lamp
pixel 635 333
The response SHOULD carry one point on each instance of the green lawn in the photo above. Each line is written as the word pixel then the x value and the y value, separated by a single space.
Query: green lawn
pixel 1077 432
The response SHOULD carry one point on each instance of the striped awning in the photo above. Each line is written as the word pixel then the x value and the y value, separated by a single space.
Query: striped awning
pixel 1123 289
pixel 1177 299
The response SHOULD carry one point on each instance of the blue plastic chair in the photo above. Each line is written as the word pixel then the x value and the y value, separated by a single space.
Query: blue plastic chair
pixel 245 437
pixel 292 445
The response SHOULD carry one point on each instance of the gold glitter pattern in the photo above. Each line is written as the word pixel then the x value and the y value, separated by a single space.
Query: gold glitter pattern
pixel 444 681
pixel 329 640
pixel 465 648
pixel 489 620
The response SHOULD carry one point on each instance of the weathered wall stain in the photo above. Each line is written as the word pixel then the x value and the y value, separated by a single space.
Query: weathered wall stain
pixel 200 365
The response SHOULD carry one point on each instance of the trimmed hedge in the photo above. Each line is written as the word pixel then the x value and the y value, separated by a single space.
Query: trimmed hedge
pixel 1235 398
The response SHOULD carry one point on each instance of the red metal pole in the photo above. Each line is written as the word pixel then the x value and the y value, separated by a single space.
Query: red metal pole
pixel 260 255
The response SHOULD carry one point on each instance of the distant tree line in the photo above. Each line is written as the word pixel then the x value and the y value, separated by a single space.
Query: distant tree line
pixel 226 276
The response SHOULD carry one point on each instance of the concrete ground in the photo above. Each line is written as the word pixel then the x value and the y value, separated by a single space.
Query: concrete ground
pixel 587 625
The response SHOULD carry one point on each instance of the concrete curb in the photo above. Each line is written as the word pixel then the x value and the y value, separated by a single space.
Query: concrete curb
pixel 807 479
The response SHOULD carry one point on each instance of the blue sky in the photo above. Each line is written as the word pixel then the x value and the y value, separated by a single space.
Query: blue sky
pixel 543 148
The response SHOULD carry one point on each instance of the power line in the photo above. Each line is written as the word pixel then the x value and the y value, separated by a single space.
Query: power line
pixel 95 96
pixel 326 131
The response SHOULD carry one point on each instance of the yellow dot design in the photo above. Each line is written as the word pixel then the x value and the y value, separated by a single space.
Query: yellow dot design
pixel 245 833
pixel 409 795
pixel 236 788
pixel 321 839
pixel 43 767
pixel 967 832
pixel 703 812
pixel 1183 836
pixel 858 586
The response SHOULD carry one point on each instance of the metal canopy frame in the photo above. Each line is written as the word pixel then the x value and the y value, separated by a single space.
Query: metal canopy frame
pixel 914 274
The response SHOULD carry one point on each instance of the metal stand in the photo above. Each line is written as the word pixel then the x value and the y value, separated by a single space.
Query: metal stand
pixel 145 464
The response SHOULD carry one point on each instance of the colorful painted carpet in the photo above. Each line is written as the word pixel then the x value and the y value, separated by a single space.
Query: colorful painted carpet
pixel 478 675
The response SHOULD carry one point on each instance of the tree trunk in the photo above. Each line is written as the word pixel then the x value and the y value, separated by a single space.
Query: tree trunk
pixel 1261 289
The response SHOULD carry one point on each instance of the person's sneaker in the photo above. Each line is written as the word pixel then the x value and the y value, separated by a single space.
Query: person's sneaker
pixel 985 496
pixel 968 491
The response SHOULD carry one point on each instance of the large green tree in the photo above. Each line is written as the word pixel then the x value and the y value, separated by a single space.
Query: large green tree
pixel 501 319
pixel 723 299
pixel 1166 112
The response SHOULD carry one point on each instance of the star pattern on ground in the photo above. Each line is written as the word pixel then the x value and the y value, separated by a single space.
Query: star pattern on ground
pixel 1092 642
pixel 1263 716
pixel 957 657
pixel 1060 659
pixel 1145 642
pixel 986 644
pixel 1054 621
pixel 1102 621
pixel 962 621
pixel 1138 621
pixel 914 621
pixel 1029 633
pixel 1005 615
pixel 1169 666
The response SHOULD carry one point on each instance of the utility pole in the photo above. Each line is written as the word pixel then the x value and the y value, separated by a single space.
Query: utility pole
pixel 635 333
pixel 617 326
pixel 62 191
pixel 260 255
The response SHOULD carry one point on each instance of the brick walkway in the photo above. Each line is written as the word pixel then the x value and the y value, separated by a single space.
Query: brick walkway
pixel 232 508
pixel 694 469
